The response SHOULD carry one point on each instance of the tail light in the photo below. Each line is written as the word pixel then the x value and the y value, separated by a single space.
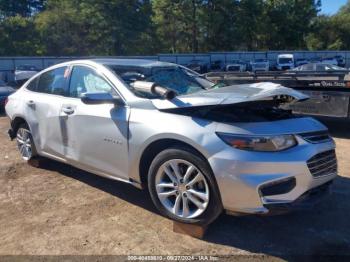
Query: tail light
pixel 347 84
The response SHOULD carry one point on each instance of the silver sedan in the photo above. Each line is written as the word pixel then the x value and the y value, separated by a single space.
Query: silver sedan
pixel 199 147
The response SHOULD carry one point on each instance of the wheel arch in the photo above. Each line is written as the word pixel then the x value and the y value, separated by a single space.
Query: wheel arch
pixel 15 124
pixel 155 147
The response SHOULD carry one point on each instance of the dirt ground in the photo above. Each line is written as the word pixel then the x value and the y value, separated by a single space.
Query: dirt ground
pixel 59 210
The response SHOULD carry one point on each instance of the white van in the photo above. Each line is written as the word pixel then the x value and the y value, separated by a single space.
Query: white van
pixel 285 61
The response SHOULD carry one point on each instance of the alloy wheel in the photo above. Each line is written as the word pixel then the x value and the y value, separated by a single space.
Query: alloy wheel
pixel 182 188
pixel 24 143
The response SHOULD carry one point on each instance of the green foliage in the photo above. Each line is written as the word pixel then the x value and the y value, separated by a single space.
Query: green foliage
pixel 331 32
pixel 289 22
pixel 140 27
pixel 18 37
pixel 94 27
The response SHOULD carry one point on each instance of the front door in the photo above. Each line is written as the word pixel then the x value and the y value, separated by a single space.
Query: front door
pixel 97 135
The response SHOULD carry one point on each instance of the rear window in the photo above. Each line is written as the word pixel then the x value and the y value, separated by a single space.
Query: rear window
pixel 53 82
pixel 33 84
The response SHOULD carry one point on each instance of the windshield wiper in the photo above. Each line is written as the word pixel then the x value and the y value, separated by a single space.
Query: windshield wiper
pixel 218 85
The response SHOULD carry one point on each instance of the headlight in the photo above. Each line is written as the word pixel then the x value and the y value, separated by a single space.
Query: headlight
pixel 259 143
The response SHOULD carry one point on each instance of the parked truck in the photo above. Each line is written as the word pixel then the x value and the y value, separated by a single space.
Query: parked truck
pixel 329 92
pixel 285 62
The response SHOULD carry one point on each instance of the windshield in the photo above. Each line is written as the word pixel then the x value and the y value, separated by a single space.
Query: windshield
pixel 285 60
pixel 179 79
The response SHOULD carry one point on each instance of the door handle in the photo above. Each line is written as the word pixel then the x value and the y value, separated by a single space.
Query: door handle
pixel 68 110
pixel 30 103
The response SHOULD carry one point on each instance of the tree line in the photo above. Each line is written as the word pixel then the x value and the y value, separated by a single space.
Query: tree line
pixel 146 27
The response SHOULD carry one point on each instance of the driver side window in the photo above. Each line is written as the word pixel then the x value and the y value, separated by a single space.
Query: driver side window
pixel 86 80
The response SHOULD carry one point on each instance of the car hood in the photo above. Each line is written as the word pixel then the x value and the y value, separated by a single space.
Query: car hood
pixel 231 95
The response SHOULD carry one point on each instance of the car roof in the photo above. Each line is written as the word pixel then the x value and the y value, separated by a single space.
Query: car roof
pixel 130 62
pixel 325 64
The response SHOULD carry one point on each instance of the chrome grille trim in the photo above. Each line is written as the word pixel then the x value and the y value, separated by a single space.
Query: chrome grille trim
pixel 324 159
pixel 316 137
pixel 323 164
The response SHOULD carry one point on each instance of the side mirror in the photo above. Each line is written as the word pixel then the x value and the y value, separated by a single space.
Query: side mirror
pixel 101 98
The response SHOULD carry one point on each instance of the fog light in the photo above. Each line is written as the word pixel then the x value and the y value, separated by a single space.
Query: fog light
pixel 278 187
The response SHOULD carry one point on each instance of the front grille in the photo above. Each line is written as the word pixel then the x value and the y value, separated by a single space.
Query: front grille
pixel 323 164
pixel 316 137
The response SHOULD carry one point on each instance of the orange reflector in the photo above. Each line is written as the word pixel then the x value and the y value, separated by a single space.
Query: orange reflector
pixel 239 143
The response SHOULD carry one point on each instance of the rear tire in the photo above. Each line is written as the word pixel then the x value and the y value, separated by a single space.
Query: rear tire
pixel 25 143
pixel 183 188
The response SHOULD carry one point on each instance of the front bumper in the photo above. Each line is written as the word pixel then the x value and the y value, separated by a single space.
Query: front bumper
pixel 241 175
pixel 306 201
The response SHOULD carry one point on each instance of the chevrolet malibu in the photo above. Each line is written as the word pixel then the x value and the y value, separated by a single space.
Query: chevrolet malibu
pixel 199 148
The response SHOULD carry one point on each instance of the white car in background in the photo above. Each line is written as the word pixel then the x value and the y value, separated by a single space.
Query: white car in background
pixel 260 64
pixel 285 62
pixel 24 72
pixel 236 66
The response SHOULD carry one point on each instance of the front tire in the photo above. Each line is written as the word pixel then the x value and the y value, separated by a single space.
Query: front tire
pixel 183 188
pixel 25 143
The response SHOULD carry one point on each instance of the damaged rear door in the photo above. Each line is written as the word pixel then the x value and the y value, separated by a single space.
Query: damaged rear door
pixel 43 110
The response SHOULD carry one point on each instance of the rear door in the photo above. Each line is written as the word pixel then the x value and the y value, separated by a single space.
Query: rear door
pixel 43 108
pixel 97 135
